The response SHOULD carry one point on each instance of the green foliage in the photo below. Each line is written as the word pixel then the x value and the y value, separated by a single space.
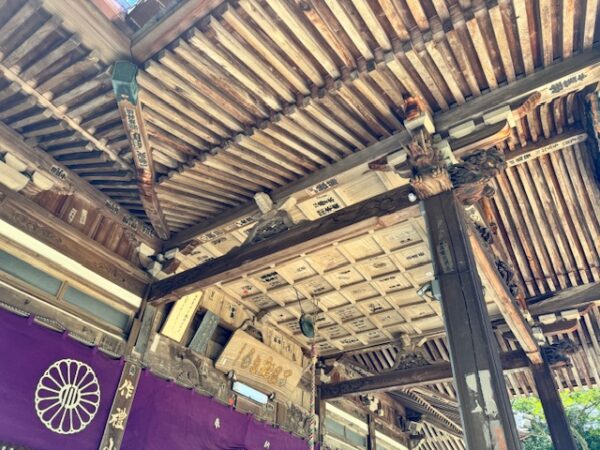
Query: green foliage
pixel 583 411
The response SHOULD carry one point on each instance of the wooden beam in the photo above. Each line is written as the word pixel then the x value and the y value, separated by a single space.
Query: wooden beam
pixel 156 35
pixel 409 378
pixel 575 297
pixel 487 418
pixel 558 424
pixel 504 300
pixel 371 153
pixel 38 223
pixel 126 89
pixel 37 159
pixel 44 102
pixel 371 439
pixel 307 236
pixel 556 80
pixel 94 29
pixel 545 146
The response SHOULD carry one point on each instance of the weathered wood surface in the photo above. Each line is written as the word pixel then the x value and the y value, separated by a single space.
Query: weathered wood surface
pixel 157 34
pixel 544 147
pixel 259 365
pixel 571 298
pixel 368 154
pixel 42 225
pixel 134 123
pixel 409 378
pixel 94 28
pixel 69 182
pixel 505 301
pixel 488 422
pixel 561 78
pixel 121 407
pixel 306 236
pixel 556 418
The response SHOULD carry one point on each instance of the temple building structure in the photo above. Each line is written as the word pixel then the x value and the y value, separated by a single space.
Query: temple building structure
pixel 296 224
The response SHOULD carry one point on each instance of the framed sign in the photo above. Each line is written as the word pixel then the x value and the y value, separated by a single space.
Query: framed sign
pixel 259 365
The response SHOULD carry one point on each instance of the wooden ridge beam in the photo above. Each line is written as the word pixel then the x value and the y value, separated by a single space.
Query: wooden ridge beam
pixel 409 378
pixel 307 236
pixel 371 153
pixel 126 89
pixel 65 179
pixel 93 28
pixel 156 35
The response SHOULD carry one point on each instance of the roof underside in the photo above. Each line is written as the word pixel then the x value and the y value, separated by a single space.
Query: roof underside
pixel 262 93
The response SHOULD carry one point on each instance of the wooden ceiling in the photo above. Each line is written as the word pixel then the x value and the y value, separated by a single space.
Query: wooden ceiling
pixel 57 94
pixel 259 94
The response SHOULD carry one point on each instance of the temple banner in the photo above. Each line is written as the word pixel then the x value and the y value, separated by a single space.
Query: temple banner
pixel 256 363
pixel 55 393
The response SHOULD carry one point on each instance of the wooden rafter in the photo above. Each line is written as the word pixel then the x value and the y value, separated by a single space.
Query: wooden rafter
pixel 363 157
pixel 59 114
pixel 553 81
pixel 36 158
pixel 94 29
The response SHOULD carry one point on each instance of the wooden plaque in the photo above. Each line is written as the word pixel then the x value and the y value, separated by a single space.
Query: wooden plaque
pixel 260 366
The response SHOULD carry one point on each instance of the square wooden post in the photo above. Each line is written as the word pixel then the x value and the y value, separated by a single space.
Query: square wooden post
pixel 486 413
pixel 371 440
pixel 560 430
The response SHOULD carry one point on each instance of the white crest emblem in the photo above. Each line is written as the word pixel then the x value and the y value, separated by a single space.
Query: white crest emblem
pixel 217 423
pixel 267 444
pixel 67 396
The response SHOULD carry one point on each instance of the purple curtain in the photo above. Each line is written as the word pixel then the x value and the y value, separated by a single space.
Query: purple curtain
pixel 167 416
pixel 55 393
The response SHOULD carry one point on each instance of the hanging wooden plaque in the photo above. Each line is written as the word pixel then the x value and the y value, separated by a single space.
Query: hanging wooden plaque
pixel 258 365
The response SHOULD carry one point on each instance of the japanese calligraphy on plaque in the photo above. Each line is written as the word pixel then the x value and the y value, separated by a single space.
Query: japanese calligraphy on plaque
pixel 181 315
pixel 121 407
pixel 260 366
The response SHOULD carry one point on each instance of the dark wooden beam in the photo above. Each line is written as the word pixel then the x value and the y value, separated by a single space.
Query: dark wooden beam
pixel 371 438
pixel 558 424
pixel 571 298
pixel 371 153
pixel 409 378
pixel 487 418
pixel 307 236
pixel 585 68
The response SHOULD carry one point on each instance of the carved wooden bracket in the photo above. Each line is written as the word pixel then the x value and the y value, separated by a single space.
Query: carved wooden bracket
pixel 429 171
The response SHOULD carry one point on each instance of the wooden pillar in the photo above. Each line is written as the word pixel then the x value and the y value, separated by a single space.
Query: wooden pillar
pixel 371 440
pixel 487 417
pixel 560 430
pixel 121 407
